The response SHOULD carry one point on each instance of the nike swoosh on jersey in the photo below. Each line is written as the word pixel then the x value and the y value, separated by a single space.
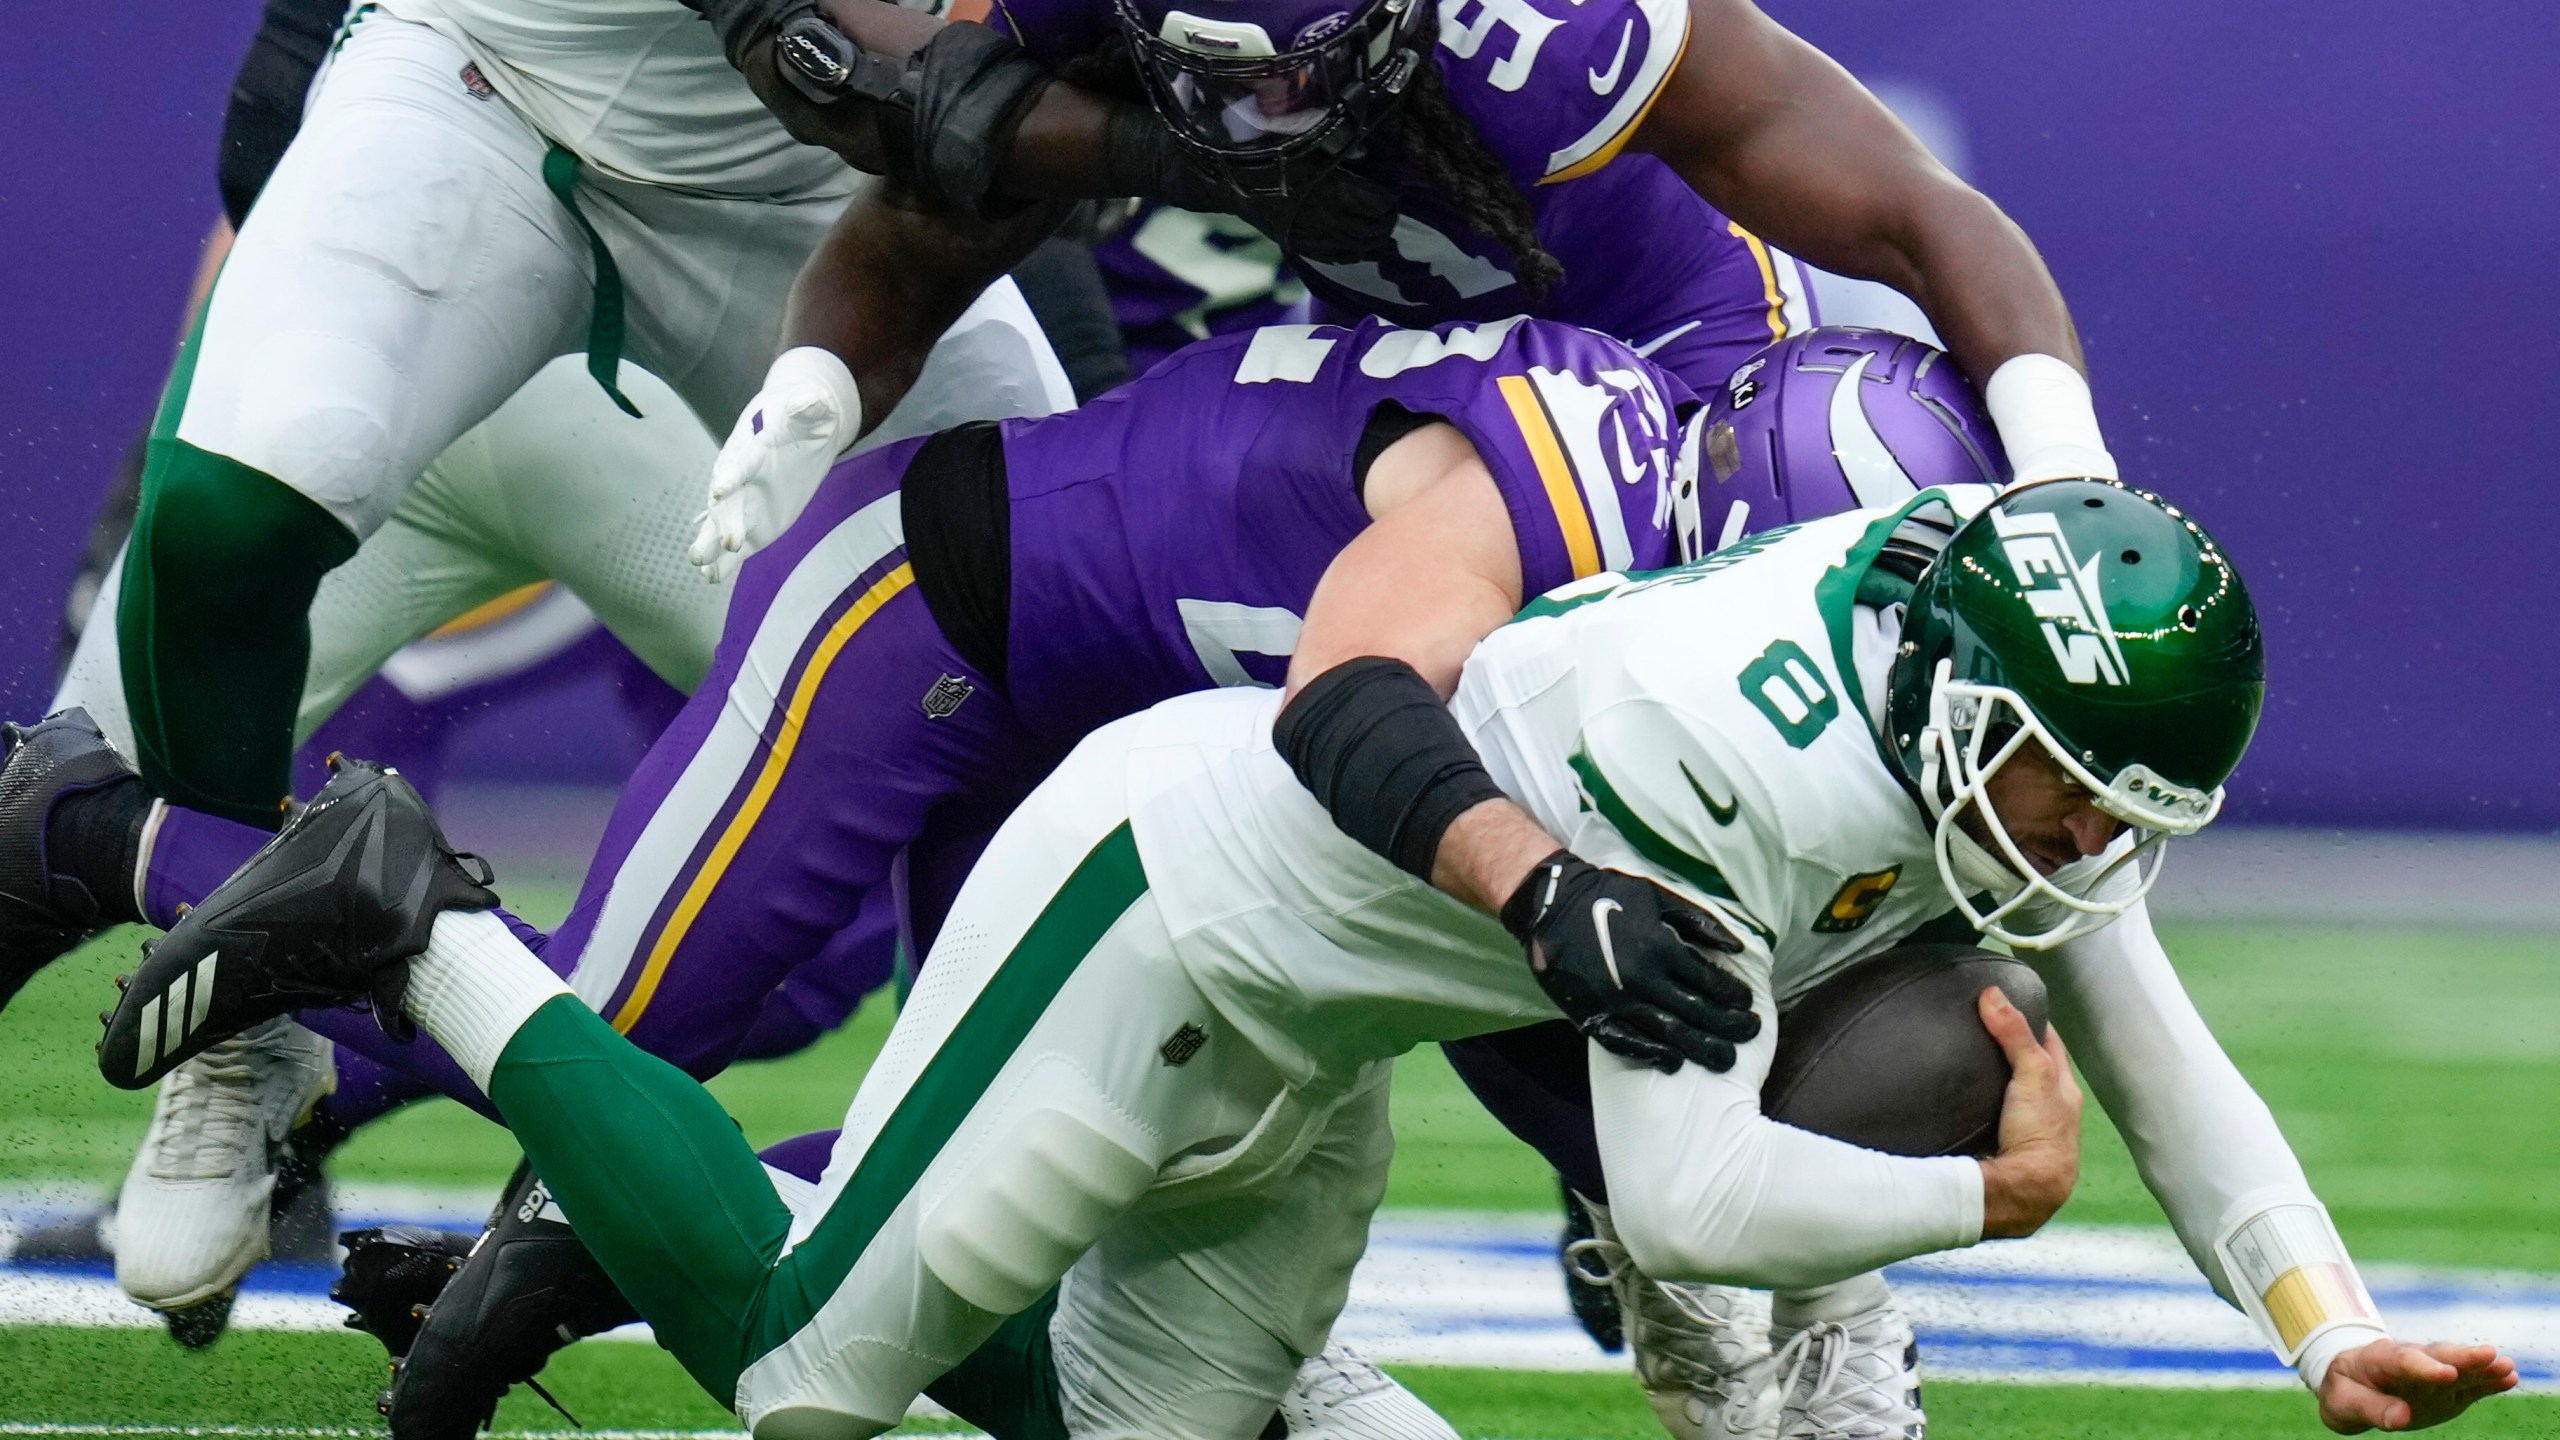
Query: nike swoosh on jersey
pixel 1601 910
pixel 1723 813
pixel 1604 82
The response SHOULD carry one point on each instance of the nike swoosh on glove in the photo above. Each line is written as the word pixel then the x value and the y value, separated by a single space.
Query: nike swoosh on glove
pixel 1631 964
pixel 787 439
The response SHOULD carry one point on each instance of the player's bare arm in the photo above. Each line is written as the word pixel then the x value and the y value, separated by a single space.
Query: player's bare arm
pixel 1387 632
pixel 1779 136
pixel 1776 134
pixel 1435 572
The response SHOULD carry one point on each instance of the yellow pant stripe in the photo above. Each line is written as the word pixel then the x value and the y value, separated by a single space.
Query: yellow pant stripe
pixel 698 893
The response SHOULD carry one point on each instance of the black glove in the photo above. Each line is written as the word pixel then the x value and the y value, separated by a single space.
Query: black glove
pixel 1631 964
pixel 1324 213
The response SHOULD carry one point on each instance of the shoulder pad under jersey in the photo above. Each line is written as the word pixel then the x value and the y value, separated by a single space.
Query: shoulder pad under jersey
pixel 1558 86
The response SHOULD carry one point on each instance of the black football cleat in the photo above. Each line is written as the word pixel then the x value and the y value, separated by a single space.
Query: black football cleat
pixel 331 910
pixel 197 1326
pixel 391 1275
pixel 44 909
pixel 529 1289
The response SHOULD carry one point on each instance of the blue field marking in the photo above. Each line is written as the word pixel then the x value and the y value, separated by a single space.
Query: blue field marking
pixel 2074 1305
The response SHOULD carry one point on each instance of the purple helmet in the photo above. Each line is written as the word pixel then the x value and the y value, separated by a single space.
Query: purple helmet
pixel 1254 85
pixel 1790 438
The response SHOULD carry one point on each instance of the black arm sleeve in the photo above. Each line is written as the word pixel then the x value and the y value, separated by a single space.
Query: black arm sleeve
pixel 1378 748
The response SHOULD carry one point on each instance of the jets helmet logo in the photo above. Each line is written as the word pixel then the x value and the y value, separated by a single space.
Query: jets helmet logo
pixel 2063 593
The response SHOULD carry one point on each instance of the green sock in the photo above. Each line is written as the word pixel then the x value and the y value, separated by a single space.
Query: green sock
pixel 654 1175
pixel 1008 1386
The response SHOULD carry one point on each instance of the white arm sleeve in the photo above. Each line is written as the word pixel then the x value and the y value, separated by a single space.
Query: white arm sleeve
pixel 1702 1186
pixel 2203 1140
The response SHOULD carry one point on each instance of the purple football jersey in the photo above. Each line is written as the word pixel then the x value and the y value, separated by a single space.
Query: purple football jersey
pixel 1166 536
pixel 1176 276
pixel 1555 87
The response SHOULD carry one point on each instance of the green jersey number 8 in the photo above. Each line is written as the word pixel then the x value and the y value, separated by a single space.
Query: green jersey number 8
pixel 1785 685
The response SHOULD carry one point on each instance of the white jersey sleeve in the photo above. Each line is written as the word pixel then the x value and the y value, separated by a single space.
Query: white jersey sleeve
pixel 1702 1185
pixel 2206 1145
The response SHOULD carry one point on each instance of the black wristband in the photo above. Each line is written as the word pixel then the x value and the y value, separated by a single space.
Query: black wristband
pixel 1378 748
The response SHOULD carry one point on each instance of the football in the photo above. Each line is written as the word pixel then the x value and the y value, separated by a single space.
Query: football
pixel 1891 1054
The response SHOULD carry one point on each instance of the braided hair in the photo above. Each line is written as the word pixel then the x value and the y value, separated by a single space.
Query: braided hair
pixel 1462 169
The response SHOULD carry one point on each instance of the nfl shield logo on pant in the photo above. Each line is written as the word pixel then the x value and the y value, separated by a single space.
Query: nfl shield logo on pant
pixel 1183 1044
pixel 945 696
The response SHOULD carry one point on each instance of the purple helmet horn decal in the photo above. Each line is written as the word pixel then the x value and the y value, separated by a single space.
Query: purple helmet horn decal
pixel 1831 420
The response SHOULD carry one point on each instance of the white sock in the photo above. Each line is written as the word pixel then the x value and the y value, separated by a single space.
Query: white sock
pixel 1793 1310
pixel 475 987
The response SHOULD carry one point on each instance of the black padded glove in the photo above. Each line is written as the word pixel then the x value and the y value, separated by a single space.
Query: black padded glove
pixel 1631 964
pixel 1327 213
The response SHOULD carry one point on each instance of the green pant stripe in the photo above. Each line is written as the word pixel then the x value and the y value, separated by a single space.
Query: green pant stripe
pixel 1105 884
pixel 604 318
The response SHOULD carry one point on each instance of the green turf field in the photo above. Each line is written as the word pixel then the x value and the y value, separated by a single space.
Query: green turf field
pixel 2379 1051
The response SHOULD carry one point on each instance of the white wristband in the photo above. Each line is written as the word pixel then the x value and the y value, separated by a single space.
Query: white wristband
pixel 2047 421
pixel 2290 1273
pixel 804 365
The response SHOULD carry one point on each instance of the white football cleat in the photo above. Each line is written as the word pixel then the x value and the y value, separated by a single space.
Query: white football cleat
pixel 1340 1396
pixel 1857 1379
pixel 1701 1351
pixel 193 1215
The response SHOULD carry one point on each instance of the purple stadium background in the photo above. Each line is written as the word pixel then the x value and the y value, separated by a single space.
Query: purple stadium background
pixel 2284 227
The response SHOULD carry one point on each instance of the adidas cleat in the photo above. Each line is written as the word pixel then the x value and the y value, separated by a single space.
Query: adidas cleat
pixel 44 910
pixel 331 910
pixel 529 1289
pixel 392 1274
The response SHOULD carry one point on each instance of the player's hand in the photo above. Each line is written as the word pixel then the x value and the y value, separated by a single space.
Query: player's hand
pixel 2394 1385
pixel 1631 964
pixel 2039 1159
pixel 788 438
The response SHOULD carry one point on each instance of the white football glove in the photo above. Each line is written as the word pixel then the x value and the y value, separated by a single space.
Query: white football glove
pixel 807 414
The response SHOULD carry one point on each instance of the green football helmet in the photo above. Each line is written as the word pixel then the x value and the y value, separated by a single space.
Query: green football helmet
pixel 2101 623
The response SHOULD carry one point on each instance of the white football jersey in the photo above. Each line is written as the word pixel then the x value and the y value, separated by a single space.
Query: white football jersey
pixel 1717 729
pixel 638 89
pixel 1692 726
